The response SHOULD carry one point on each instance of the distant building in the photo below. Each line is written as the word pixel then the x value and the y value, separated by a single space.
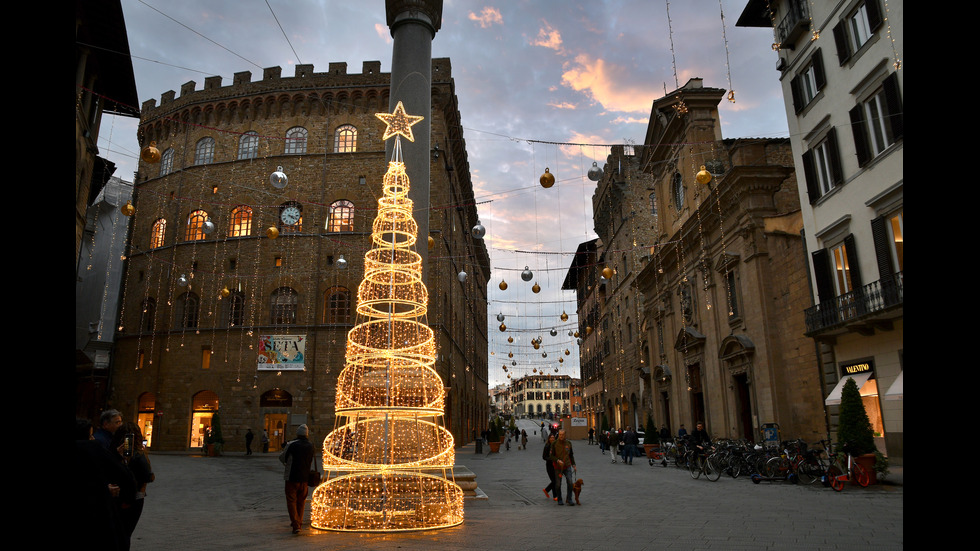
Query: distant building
pixel 240 291
pixel 839 64
pixel 541 396
pixel 104 83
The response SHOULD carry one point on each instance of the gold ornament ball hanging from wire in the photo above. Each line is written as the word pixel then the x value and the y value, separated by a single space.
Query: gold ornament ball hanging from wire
pixel 510 339
pixel 128 209
pixel 536 289
pixel 510 354
pixel 576 334
pixel 703 177
pixel 547 179
pixel 503 327
pixel 225 292
pixel 561 360
pixel 567 352
pixel 564 316
pixel 536 346
pixel 432 242
pixel 607 272
pixel 272 232
pixel 588 330
pixel 503 285
pixel 150 154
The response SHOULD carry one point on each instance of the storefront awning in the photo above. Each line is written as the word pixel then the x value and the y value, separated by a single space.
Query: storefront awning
pixel 895 391
pixel 834 397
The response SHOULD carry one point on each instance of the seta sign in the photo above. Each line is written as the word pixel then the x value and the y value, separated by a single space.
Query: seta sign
pixel 282 352
pixel 866 366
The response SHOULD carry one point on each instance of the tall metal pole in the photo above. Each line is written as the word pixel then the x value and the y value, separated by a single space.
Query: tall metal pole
pixel 413 25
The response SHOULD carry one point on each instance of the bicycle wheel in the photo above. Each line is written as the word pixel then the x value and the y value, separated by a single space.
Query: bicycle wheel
pixel 712 467
pixel 859 475
pixel 734 467
pixel 834 475
pixel 694 465
pixel 808 471
pixel 776 467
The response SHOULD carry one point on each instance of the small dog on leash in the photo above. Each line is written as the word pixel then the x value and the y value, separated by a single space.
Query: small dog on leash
pixel 577 488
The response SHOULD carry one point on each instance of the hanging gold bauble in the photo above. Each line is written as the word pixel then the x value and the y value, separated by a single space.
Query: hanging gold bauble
pixel 225 292
pixel 432 242
pixel 150 154
pixel 537 346
pixel 128 209
pixel 607 272
pixel 547 179
pixel 535 370
pixel 703 176
pixel 564 316
pixel 561 360
pixel 503 285
pixel 503 327
pixel 510 354
pixel 576 334
pixel 588 330
pixel 567 352
pixel 510 339
pixel 272 232
pixel 536 288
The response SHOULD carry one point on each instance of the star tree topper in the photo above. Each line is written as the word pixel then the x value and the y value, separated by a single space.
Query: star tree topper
pixel 399 122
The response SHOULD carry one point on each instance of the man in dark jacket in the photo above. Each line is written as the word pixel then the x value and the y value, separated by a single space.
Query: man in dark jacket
pixel 298 458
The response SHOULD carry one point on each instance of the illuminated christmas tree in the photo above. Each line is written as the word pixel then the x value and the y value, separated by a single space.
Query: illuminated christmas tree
pixel 389 459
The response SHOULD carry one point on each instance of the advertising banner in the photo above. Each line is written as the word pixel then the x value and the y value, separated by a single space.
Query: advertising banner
pixel 282 352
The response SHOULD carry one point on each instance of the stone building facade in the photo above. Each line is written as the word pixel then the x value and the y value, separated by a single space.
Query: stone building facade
pixel 725 279
pixel 240 290
pixel 541 396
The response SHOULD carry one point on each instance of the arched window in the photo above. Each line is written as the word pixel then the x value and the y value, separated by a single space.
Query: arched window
pixel 235 309
pixel 284 301
pixel 167 162
pixel 241 221
pixel 204 152
pixel 296 141
pixel 195 226
pixel 187 308
pixel 345 139
pixel 341 216
pixel 158 232
pixel 248 145
pixel 336 305
pixel 291 217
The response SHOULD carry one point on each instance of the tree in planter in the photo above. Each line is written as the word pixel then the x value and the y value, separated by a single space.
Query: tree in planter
pixel 854 433
pixel 605 423
pixel 652 436
pixel 495 432
pixel 216 437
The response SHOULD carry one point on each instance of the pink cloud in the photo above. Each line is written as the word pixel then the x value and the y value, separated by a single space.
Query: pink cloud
pixel 608 85
pixel 548 37
pixel 488 16
pixel 383 32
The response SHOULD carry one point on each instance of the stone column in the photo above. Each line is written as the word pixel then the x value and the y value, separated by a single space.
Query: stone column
pixel 413 25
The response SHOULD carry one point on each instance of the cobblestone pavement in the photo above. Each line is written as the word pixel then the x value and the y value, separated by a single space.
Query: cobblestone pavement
pixel 237 502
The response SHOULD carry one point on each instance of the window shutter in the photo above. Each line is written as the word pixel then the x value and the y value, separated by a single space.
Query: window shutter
pixel 874 14
pixel 818 72
pixel 852 262
pixel 893 102
pixel 794 86
pixel 812 186
pixel 860 130
pixel 843 46
pixel 821 274
pixel 836 172
pixel 883 253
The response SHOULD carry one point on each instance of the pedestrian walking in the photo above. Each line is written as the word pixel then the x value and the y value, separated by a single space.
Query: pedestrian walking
pixel 249 436
pixel 550 467
pixel 613 443
pixel 297 456
pixel 564 458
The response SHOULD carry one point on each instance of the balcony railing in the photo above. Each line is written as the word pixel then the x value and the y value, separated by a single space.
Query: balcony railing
pixel 793 23
pixel 884 294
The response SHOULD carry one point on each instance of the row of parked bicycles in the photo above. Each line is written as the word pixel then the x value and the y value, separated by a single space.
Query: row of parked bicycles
pixel 794 461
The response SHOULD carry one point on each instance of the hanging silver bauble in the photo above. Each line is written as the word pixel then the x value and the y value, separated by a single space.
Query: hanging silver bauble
pixel 183 281
pixel 342 263
pixel 278 179
pixel 578 341
pixel 554 332
pixel 513 362
pixel 207 227
pixel 527 274
pixel 500 318
pixel 570 333
pixel 595 173
pixel 461 276
pixel 544 354
pixel 478 230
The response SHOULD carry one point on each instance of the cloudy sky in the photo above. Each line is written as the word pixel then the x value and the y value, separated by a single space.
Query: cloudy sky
pixel 526 72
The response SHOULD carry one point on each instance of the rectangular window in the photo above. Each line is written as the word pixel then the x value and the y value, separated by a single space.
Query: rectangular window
pixel 842 271
pixel 206 357
pixel 856 29
pixel 859 29
pixel 875 113
pixel 878 122
pixel 896 231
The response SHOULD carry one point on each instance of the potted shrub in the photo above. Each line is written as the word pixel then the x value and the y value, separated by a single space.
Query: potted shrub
pixel 215 442
pixel 854 433
pixel 496 436
pixel 651 440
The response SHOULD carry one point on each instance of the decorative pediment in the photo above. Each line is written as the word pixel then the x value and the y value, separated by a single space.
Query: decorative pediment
pixel 689 338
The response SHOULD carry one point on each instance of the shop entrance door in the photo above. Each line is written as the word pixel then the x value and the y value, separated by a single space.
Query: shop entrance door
pixel 275 426
pixel 744 404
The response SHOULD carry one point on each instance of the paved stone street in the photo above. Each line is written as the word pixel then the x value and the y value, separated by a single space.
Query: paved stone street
pixel 236 502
